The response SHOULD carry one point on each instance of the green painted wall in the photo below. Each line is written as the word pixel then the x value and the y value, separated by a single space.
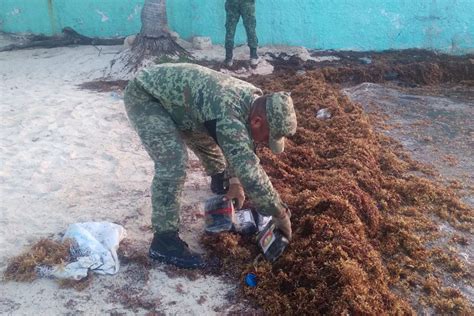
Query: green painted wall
pixel 445 25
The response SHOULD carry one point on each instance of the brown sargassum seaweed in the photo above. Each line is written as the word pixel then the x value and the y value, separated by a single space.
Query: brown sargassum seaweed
pixel 362 221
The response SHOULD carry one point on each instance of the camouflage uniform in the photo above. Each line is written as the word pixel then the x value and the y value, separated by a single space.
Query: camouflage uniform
pixel 171 105
pixel 234 9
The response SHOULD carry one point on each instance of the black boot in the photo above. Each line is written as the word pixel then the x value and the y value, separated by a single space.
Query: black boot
pixel 253 53
pixel 168 248
pixel 254 60
pixel 219 183
pixel 229 62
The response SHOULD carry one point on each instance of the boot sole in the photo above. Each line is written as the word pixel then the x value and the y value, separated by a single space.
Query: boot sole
pixel 174 261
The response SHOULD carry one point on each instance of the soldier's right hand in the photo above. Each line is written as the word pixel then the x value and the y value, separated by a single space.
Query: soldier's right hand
pixel 282 222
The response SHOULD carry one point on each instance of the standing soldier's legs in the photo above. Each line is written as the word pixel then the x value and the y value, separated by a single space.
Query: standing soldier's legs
pixel 250 24
pixel 163 143
pixel 232 18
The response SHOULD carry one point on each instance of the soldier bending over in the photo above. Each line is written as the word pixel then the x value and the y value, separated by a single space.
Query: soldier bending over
pixel 220 118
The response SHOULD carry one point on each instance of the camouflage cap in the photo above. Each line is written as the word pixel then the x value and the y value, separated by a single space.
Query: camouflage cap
pixel 281 119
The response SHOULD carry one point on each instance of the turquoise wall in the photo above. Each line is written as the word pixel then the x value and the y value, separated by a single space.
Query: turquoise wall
pixel 100 18
pixel 445 25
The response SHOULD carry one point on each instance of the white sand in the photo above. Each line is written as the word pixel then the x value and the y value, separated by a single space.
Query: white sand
pixel 69 155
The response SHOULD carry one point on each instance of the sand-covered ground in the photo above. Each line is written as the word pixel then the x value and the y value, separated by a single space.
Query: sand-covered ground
pixel 69 155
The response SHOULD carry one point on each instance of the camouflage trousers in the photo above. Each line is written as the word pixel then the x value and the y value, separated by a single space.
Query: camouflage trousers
pixel 234 10
pixel 166 145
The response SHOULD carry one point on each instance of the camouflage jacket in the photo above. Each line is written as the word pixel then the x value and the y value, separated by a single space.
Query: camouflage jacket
pixel 201 99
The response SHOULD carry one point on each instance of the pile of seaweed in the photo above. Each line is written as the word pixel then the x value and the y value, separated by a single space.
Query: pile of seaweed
pixel 45 253
pixel 410 67
pixel 364 226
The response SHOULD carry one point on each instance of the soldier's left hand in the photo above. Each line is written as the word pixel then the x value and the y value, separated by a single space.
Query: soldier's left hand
pixel 236 192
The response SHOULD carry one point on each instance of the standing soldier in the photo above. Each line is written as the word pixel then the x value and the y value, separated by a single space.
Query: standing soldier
pixel 234 9
pixel 220 118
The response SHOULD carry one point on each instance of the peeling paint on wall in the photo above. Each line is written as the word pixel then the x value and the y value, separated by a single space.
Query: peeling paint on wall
pixel 136 12
pixel 15 11
pixel 393 17
pixel 104 18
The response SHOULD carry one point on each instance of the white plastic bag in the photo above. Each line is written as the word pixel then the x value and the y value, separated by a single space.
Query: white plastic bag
pixel 95 248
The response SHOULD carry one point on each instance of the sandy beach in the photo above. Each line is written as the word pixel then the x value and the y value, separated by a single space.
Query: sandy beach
pixel 69 155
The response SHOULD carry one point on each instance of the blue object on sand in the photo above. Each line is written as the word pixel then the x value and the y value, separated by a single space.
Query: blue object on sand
pixel 251 280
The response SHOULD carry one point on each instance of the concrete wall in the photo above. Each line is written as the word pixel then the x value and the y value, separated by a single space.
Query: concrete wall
pixel 445 25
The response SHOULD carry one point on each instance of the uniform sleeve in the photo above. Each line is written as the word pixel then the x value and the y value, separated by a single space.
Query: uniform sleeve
pixel 235 142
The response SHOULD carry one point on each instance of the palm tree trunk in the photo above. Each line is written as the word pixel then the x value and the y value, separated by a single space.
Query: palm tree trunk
pixel 154 19
pixel 154 39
